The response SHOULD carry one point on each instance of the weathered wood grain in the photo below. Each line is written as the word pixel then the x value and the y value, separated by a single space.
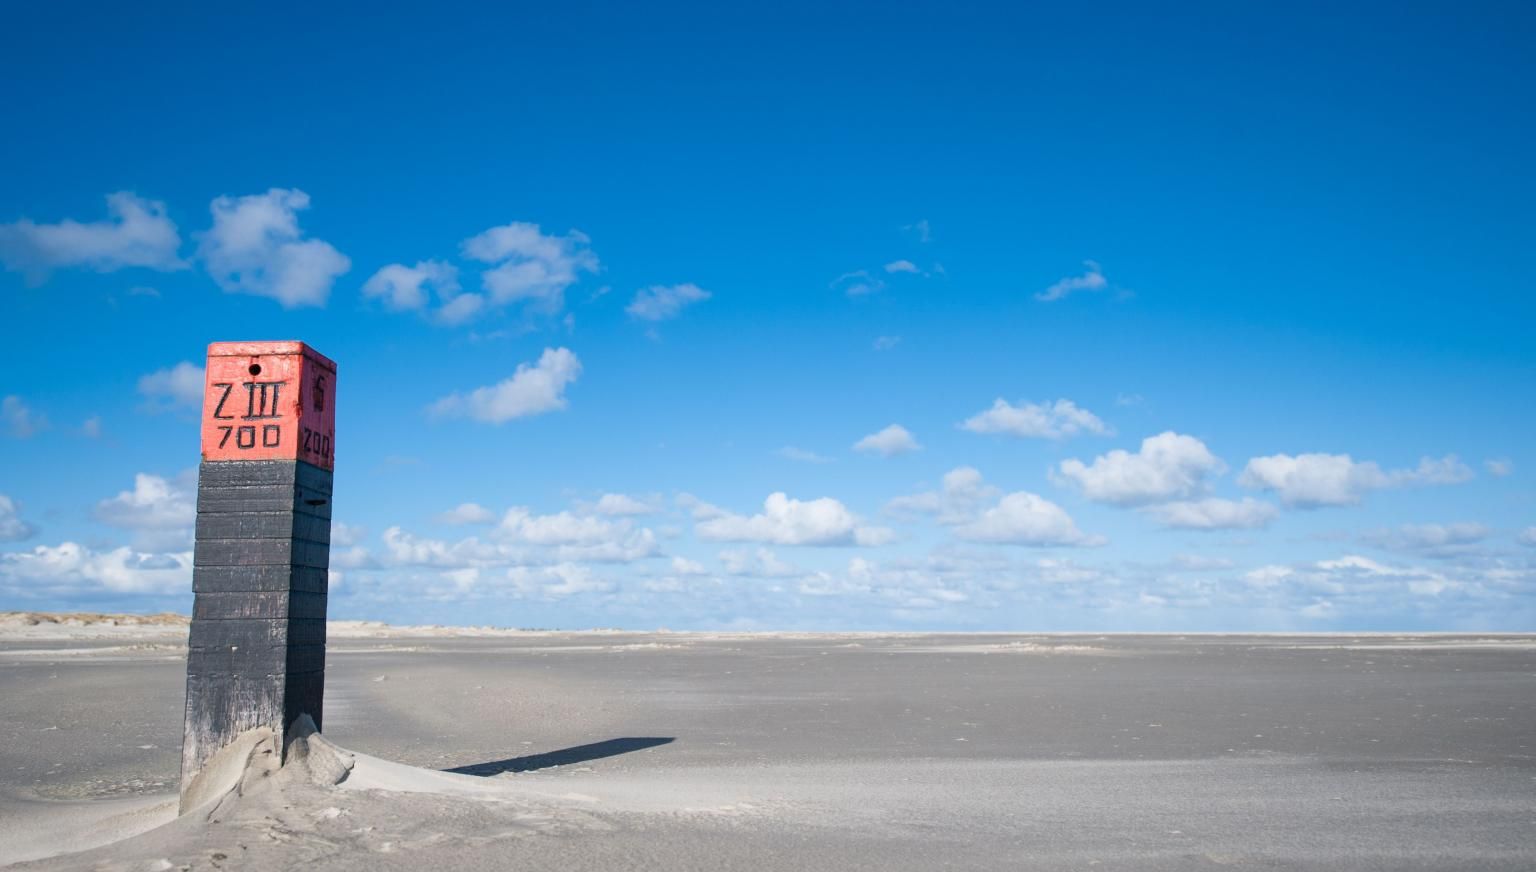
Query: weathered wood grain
pixel 256 649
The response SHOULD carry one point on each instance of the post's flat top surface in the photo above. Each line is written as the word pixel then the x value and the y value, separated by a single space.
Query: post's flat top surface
pixel 269 401
pixel 256 349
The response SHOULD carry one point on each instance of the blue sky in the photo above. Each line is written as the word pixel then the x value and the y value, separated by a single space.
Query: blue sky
pixel 904 316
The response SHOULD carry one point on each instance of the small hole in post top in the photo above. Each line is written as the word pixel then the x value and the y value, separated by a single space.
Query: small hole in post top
pixel 255 369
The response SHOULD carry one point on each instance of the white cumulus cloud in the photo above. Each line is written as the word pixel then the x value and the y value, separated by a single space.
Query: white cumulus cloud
pixel 578 536
pixel 1199 563
pixel 560 528
pixel 411 288
pixel 20 418
pixel 1360 585
pixel 1023 518
pixel 530 266
pixel 467 513
pixel 1092 279
pixel 961 495
pixel 255 247
pixel 858 283
pixel 619 505
pixel 684 566
pixel 532 390
pixel 345 535
pixel 1316 480
pixel 138 234
pixel 759 563
pixel 73 569
pixel 786 521
pixel 801 455
pixel 403 548
pixel 1056 420
pixel 525 538
pixel 1431 470
pixel 556 582
pixel 980 512
pixel 891 441
pixel 1431 540
pixel 155 503
pixel 12 527
pixel 1168 466
pixel 180 385
pixel 664 302
pixel 1214 513
pixel 460 309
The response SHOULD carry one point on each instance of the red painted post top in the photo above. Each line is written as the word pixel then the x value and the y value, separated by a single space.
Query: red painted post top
pixel 269 401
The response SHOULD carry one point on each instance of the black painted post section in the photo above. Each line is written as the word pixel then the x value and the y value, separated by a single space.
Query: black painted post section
pixel 256 653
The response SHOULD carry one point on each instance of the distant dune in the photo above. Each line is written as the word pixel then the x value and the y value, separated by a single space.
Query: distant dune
pixel 91 619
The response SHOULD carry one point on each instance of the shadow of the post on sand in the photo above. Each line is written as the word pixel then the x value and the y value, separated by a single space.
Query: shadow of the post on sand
pixel 565 756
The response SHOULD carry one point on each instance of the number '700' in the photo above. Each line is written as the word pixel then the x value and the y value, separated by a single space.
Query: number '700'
pixel 245 435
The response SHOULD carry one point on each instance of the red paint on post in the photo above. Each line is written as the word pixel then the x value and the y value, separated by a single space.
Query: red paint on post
pixel 269 401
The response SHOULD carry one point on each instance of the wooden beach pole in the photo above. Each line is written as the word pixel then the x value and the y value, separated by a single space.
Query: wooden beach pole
pixel 256 654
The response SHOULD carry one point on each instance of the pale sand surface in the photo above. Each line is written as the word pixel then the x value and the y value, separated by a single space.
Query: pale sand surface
pixel 598 751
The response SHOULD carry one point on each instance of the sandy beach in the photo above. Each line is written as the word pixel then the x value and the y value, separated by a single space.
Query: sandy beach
pixel 482 749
